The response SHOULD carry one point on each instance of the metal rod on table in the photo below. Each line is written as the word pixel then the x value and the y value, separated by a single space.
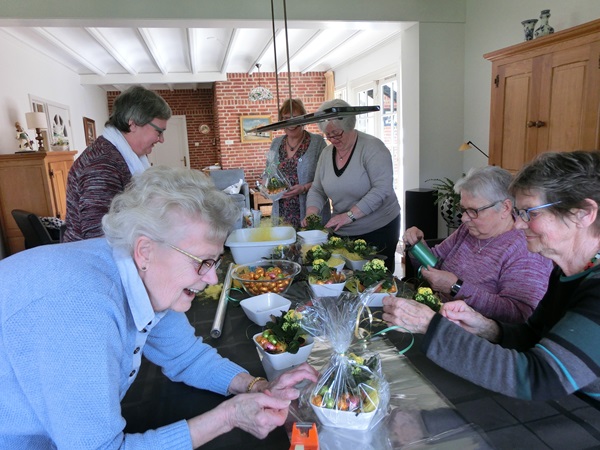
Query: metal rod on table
pixel 215 332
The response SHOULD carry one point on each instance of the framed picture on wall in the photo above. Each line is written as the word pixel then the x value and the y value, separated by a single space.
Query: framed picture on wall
pixel 248 123
pixel 89 129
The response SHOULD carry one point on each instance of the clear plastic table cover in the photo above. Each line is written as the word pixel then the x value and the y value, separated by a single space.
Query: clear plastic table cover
pixel 419 417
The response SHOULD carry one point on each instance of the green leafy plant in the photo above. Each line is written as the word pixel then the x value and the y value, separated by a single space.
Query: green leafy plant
pixel 322 273
pixel 283 334
pixel 359 247
pixel 373 272
pixel 313 222
pixel 317 252
pixel 426 296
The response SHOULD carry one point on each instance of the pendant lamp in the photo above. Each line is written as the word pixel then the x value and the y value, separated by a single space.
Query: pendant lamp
pixel 260 93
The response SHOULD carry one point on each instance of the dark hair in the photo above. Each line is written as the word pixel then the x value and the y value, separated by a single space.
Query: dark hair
pixel 140 105
pixel 566 177
pixel 290 106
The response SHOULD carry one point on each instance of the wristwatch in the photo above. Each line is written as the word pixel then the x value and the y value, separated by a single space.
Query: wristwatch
pixel 352 218
pixel 456 287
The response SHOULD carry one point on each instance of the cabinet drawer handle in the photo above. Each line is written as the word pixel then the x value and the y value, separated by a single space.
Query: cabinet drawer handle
pixel 538 124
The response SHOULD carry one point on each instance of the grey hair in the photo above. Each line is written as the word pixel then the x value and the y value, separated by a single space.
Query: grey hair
pixel 149 205
pixel 566 177
pixel 139 105
pixel 490 182
pixel 346 123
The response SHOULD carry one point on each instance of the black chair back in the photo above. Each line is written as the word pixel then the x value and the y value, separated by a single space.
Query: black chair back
pixel 34 232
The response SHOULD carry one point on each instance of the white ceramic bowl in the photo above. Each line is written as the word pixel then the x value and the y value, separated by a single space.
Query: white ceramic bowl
pixel 285 360
pixel 252 244
pixel 355 264
pixel 343 419
pixel 313 237
pixel 260 308
pixel 327 290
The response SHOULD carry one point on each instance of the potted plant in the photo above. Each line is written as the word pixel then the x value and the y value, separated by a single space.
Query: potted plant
pixel 448 199
pixel 284 343
pixel 325 280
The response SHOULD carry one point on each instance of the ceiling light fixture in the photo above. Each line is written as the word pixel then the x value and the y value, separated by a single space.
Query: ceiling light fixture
pixel 260 93
pixel 320 116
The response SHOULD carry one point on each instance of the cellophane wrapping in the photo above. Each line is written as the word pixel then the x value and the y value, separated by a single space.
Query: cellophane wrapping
pixel 351 391
pixel 273 183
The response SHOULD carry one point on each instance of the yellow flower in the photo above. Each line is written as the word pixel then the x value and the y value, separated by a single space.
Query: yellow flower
pixel 374 265
pixel 425 291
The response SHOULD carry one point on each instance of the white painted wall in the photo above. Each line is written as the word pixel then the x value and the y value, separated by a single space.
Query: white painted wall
pixel 26 71
pixel 491 25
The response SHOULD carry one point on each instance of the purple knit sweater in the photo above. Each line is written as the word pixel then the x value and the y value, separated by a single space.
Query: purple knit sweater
pixel 96 177
pixel 504 281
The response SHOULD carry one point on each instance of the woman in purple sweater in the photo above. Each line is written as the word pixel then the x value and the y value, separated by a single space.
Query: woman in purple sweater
pixel 486 262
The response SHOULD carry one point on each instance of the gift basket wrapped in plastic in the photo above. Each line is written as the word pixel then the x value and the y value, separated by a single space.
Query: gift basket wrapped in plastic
pixel 351 391
pixel 273 184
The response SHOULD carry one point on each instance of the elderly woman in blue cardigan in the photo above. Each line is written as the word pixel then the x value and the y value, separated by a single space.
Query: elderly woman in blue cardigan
pixel 295 154
pixel 72 339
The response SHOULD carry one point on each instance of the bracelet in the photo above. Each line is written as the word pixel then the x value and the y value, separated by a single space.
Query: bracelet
pixel 253 382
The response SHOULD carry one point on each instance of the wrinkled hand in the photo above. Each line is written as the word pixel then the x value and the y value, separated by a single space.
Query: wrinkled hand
pixel 408 314
pixel 439 280
pixel 338 221
pixel 466 317
pixel 284 386
pixel 412 236
pixel 258 414
pixel 294 191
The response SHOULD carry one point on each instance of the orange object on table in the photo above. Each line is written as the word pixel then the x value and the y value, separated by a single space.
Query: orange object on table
pixel 304 436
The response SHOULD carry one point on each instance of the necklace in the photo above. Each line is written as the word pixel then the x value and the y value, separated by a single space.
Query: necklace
pixel 592 262
pixel 340 157
pixel 293 148
pixel 487 243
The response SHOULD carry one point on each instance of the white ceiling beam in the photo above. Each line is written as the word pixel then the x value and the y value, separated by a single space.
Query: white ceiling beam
pixel 112 51
pixel 61 45
pixel 192 36
pixel 233 37
pixel 306 44
pixel 367 51
pixel 264 51
pixel 153 49
pixel 151 78
pixel 316 62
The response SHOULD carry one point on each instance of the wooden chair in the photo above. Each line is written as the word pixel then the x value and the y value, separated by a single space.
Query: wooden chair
pixel 34 232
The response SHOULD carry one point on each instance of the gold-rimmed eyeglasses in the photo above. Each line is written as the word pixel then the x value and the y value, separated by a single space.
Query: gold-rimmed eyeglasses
pixel 204 265
pixel 158 129
pixel 473 213
pixel 525 214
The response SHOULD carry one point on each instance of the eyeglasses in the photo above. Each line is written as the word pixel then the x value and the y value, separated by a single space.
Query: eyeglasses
pixel 473 213
pixel 337 135
pixel 159 130
pixel 525 214
pixel 204 264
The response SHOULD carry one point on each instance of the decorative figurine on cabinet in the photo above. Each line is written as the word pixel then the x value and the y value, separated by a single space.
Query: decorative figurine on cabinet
pixel 24 142
pixel 544 29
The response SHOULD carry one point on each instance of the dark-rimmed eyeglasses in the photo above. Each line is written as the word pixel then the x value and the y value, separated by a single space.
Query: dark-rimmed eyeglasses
pixel 335 135
pixel 204 265
pixel 473 213
pixel 525 214
pixel 158 129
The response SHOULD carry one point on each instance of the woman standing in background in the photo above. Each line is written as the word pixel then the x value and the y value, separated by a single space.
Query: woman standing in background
pixel 295 154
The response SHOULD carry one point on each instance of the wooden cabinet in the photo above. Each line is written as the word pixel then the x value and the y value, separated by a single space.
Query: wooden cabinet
pixel 545 96
pixel 35 182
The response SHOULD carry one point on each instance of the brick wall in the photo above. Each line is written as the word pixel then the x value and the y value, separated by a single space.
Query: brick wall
pixel 221 108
